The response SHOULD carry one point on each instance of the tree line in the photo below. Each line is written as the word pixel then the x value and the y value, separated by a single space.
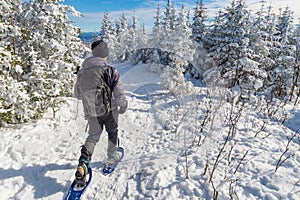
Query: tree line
pixel 254 53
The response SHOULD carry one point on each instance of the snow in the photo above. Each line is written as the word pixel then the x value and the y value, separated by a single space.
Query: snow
pixel 38 159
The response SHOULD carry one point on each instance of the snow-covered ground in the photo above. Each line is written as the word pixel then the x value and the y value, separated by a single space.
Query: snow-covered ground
pixel 38 159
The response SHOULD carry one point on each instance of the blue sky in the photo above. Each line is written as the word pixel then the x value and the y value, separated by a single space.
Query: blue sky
pixel 145 9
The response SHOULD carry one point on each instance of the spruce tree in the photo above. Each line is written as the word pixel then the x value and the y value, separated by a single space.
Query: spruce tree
pixel 201 61
pixel 14 100
pixel 167 15
pixel 231 51
pixel 105 26
pixel 261 41
pixel 156 36
pixel 181 37
pixel 295 90
pixel 43 50
pixel 124 39
pixel 109 35
pixel 51 52
pixel 169 18
pixel 133 32
pixel 143 38
pixel 199 27
pixel 282 74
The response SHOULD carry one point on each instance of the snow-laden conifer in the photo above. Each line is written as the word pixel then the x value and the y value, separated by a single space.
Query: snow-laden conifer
pixel 51 52
pixel 231 52
pixel 14 99
pixel 44 49
pixel 201 60
pixel 109 35
pixel 123 39
pixel 199 28
pixel 156 36
pixel 181 37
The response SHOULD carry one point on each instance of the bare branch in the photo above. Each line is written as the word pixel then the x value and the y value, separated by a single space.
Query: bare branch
pixel 281 160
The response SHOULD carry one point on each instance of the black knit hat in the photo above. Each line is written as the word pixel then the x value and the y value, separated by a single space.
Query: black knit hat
pixel 99 49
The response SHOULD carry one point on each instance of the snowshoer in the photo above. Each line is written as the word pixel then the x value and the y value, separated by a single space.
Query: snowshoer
pixel 99 87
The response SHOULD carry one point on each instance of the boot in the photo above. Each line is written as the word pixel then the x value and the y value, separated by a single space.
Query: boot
pixel 112 143
pixel 113 157
pixel 82 169
pixel 81 172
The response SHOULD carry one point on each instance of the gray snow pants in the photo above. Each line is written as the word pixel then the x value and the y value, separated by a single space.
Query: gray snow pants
pixel 110 121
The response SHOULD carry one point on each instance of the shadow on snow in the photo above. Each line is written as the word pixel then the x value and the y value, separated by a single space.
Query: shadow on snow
pixel 36 176
pixel 293 123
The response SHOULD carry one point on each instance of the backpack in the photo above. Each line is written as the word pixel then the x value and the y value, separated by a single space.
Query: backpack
pixel 96 94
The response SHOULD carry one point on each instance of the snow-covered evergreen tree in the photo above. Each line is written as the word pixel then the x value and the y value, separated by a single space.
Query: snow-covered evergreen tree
pixel 105 28
pixel 201 61
pixel 168 27
pixel 123 38
pixel 265 43
pixel 181 37
pixel 143 38
pixel 285 22
pixel 231 50
pixel 174 81
pixel 173 17
pixel 167 16
pixel 199 28
pixel 14 99
pixel 156 36
pixel 44 49
pixel 282 74
pixel 109 35
pixel 295 89
pixel 262 40
pixel 134 33
pixel 51 52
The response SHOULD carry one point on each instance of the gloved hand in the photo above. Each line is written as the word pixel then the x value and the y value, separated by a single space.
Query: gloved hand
pixel 122 109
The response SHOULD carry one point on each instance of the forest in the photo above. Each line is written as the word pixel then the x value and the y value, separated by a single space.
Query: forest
pixel 253 54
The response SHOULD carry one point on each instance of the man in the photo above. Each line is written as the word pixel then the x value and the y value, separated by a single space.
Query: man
pixel 100 88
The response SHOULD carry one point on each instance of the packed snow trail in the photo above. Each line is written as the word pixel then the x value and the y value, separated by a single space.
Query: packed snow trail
pixel 145 153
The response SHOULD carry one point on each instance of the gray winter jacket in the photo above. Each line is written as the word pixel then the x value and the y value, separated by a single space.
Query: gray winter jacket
pixel 111 77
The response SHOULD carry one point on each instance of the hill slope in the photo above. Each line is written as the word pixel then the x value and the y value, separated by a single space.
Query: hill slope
pixel 38 160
